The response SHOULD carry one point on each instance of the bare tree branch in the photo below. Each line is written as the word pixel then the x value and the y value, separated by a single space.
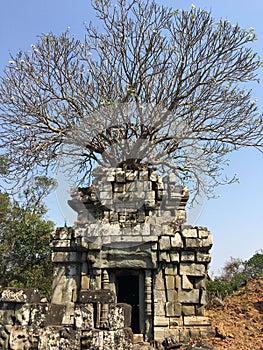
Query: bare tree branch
pixel 169 85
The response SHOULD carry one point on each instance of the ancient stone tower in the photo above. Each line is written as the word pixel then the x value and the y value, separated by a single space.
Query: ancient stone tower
pixel 129 270
pixel 131 238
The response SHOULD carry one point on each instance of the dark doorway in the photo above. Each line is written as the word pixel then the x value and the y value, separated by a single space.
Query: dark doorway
pixel 128 292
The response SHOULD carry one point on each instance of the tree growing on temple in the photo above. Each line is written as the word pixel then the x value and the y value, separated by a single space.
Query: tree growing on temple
pixel 147 86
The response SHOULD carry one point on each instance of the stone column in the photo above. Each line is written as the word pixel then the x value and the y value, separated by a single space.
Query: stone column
pixel 148 305
pixel 97 285
pixel 104 307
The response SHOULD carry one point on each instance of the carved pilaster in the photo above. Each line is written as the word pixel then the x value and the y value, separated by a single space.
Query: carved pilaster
pixel 104 307
pixel 148 305
pixel 148 292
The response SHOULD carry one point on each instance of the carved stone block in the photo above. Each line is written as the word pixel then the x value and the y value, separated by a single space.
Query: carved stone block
pixel 18 295
pixel 97 296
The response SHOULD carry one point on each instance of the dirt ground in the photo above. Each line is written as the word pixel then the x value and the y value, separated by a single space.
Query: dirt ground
pixel 239 323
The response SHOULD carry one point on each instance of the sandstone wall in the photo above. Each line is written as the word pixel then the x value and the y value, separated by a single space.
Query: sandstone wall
pixel 26 323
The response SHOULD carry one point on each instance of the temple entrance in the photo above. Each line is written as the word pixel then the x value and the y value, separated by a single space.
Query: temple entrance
pixel 128 292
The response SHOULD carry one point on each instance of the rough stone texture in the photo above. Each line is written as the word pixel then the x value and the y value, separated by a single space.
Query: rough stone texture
pixel 16 295
pixel 97 296
pixel 44 328
pixel 131 223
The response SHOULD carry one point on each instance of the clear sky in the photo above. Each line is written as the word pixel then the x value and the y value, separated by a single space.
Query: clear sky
pixel 236 217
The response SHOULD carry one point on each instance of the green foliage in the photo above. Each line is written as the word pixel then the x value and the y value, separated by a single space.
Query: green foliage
pixel 232 267
pixel 254 266
pixel 219 288
pixel 238 280
pixel 3 165
pixel 235 275
pixel 25 256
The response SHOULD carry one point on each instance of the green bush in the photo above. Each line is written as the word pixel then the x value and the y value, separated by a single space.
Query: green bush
pixel 238 280
pixel 235 274
pixel 254 266
pixel 218 288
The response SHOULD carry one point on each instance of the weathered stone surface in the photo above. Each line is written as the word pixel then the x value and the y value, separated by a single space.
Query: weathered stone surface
pixel 7 314
pixel 188 310
pixel 192 269
pixel 107 340
pixel 161 321
pixel 22 314
pixel 193 243
pixel 44 314
pixel 165 243
pixel 19 339
pixel 159 281
pixel 53 338
pixel 187 256
pixel 119 316
pixel 97 296
pixel 174 257
pixel 203 232
pixel 207 242
pixel 169 309
pixel 186 283
pixel 55 314
pixel 164 256
pixel 203 257
pixel 196 321
pixel 170 283
pixel 176 241
pixel 188 297
pixel 171 295
pixel 18 295
pixel 175 322
pixel 159 309
pixel 84 316
pixel 159 295
pixel 189 232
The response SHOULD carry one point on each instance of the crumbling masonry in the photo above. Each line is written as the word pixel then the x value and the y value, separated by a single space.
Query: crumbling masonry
pixel 129 270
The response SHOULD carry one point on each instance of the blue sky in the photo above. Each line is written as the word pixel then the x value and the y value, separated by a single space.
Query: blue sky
pixel 236 217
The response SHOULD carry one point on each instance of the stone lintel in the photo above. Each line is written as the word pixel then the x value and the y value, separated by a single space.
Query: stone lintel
pixel 97 296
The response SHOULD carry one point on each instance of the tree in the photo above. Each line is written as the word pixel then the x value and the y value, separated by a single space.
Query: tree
pixel 254 266
pixel 235 274
pixel 25 255
pixel 151 86
pixel 231 268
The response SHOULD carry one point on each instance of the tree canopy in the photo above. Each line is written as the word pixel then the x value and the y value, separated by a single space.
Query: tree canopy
pixel 147 85
pixel 25 255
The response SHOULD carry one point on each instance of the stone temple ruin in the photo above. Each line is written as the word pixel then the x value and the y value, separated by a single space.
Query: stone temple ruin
pixel 129 274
